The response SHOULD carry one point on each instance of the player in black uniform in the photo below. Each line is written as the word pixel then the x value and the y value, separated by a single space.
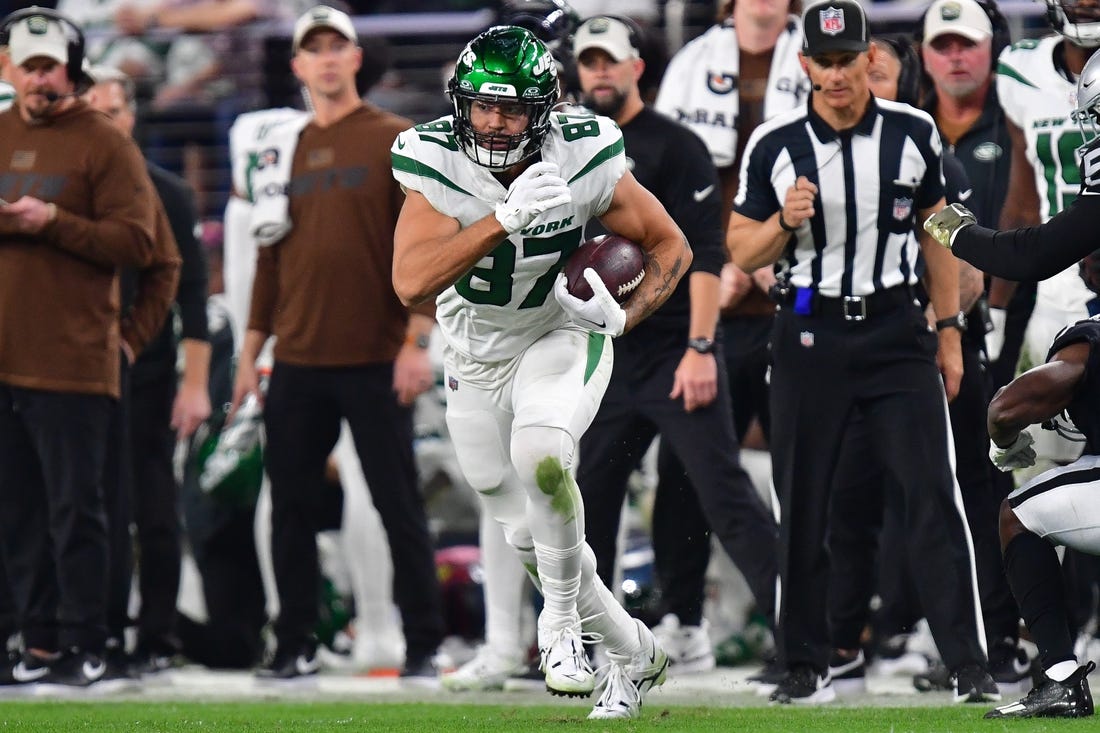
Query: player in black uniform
pixel 669 376
pixel 1036 253
pixel 1057 507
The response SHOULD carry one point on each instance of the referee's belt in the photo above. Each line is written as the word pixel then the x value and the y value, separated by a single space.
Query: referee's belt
pixel 809 302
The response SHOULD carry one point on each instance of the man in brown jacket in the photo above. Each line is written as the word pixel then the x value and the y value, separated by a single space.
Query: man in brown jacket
pixel 346 348
pixel 81 205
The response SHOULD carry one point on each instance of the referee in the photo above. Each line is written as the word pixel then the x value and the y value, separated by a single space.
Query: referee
pixel 669 376
pixel 830 192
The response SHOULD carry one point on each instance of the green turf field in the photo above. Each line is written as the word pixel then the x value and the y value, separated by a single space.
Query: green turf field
pixel 253 717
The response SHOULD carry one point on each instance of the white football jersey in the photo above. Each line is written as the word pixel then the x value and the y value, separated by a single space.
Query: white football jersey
pixel 246 142
pixel 506 302
pixel 7 95
pixel 1039 99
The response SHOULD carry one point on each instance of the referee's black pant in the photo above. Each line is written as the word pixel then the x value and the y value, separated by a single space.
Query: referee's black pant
pixel 824 367
pixel 857 520
pixel 635 408
pixel 302 418
pixel 52 450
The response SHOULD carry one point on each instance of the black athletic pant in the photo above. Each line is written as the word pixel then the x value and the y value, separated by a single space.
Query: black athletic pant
pixel 302 419
pixel 635 408
pixel 856 520
pixel 52 449
pixel 677 513
pixel 225 552
pixel 155 504
pixel 118 502
pixel 824 368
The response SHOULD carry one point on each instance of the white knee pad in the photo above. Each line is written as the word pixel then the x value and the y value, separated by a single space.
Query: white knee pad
pixel 543 457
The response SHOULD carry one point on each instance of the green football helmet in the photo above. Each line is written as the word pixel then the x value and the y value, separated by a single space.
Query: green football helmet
pixel 505 65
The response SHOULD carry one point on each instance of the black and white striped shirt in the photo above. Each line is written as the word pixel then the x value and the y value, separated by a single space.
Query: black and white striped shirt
pixel 872 180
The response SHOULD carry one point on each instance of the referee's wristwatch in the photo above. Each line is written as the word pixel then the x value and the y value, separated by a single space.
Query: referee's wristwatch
pixel 956 321
pixel 701 344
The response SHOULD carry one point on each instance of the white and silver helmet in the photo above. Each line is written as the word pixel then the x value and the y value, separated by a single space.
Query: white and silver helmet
pixel 1077 21
pixel 1087 111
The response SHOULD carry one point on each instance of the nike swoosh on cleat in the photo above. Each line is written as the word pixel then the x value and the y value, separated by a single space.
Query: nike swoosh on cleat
pixel 21 674
pixel 94 671
pixel 306 666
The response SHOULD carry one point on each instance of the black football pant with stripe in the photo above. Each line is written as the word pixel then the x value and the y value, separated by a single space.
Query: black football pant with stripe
pixel 858 525
pixel 302 415
pixel 824 369
pixel 52 522
pixel 718 495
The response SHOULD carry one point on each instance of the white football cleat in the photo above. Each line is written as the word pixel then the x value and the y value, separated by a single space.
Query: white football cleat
pixel 486 671
pixel 688 647
pixel 564 663
pixel 627 680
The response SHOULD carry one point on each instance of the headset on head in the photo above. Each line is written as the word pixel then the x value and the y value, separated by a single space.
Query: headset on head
pixel 1002 34
pixel 75 36
pixel 909 76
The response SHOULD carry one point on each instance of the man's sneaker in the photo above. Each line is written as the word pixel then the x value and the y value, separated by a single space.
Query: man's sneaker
pixel 974 684
pixel 486 671
pixel 300 665
pixel 149 662
pixel 849 674
pixel 419 670
pixel 764 682
pixel 938 678
pixel 893 657
pixel 75 669
pixel 626 680
pixel 1010 666
pixel 18 671
pixel 804 686
pixel 563 662
pixel 1068 699
pixel 688 647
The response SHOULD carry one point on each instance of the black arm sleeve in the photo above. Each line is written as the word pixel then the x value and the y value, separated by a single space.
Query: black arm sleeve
pixel 1034 253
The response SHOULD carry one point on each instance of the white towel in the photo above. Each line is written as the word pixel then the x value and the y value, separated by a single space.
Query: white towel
pixel 270 220
pixel 700 85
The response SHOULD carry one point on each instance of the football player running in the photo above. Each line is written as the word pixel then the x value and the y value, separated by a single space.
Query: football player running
pixel 497 195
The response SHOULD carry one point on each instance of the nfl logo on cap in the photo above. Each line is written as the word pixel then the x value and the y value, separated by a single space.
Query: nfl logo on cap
pixel 832 21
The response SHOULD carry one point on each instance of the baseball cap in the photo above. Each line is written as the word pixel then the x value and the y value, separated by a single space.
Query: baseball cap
pixel 609 34
pixel 963 17
pixel 834 25
pixel 323 16
pixel 37 35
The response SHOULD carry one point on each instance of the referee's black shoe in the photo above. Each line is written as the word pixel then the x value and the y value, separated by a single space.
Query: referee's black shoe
pixel 1070 698
pixel 804 686
pixel 973 683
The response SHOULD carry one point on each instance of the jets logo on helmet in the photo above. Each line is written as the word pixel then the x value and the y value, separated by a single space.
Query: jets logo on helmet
pixel 490 71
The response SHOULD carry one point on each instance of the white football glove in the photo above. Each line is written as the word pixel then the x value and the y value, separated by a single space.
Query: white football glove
pixel 537 189
pixel 600 313
pixel 995 336
pixel 1019 454
pixel 946 223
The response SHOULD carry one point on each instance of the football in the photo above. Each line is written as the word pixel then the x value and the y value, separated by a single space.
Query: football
pixel 618 261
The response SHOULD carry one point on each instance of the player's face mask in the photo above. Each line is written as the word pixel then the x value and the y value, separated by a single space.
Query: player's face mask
pixel 1087 111
pixel 1077 20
